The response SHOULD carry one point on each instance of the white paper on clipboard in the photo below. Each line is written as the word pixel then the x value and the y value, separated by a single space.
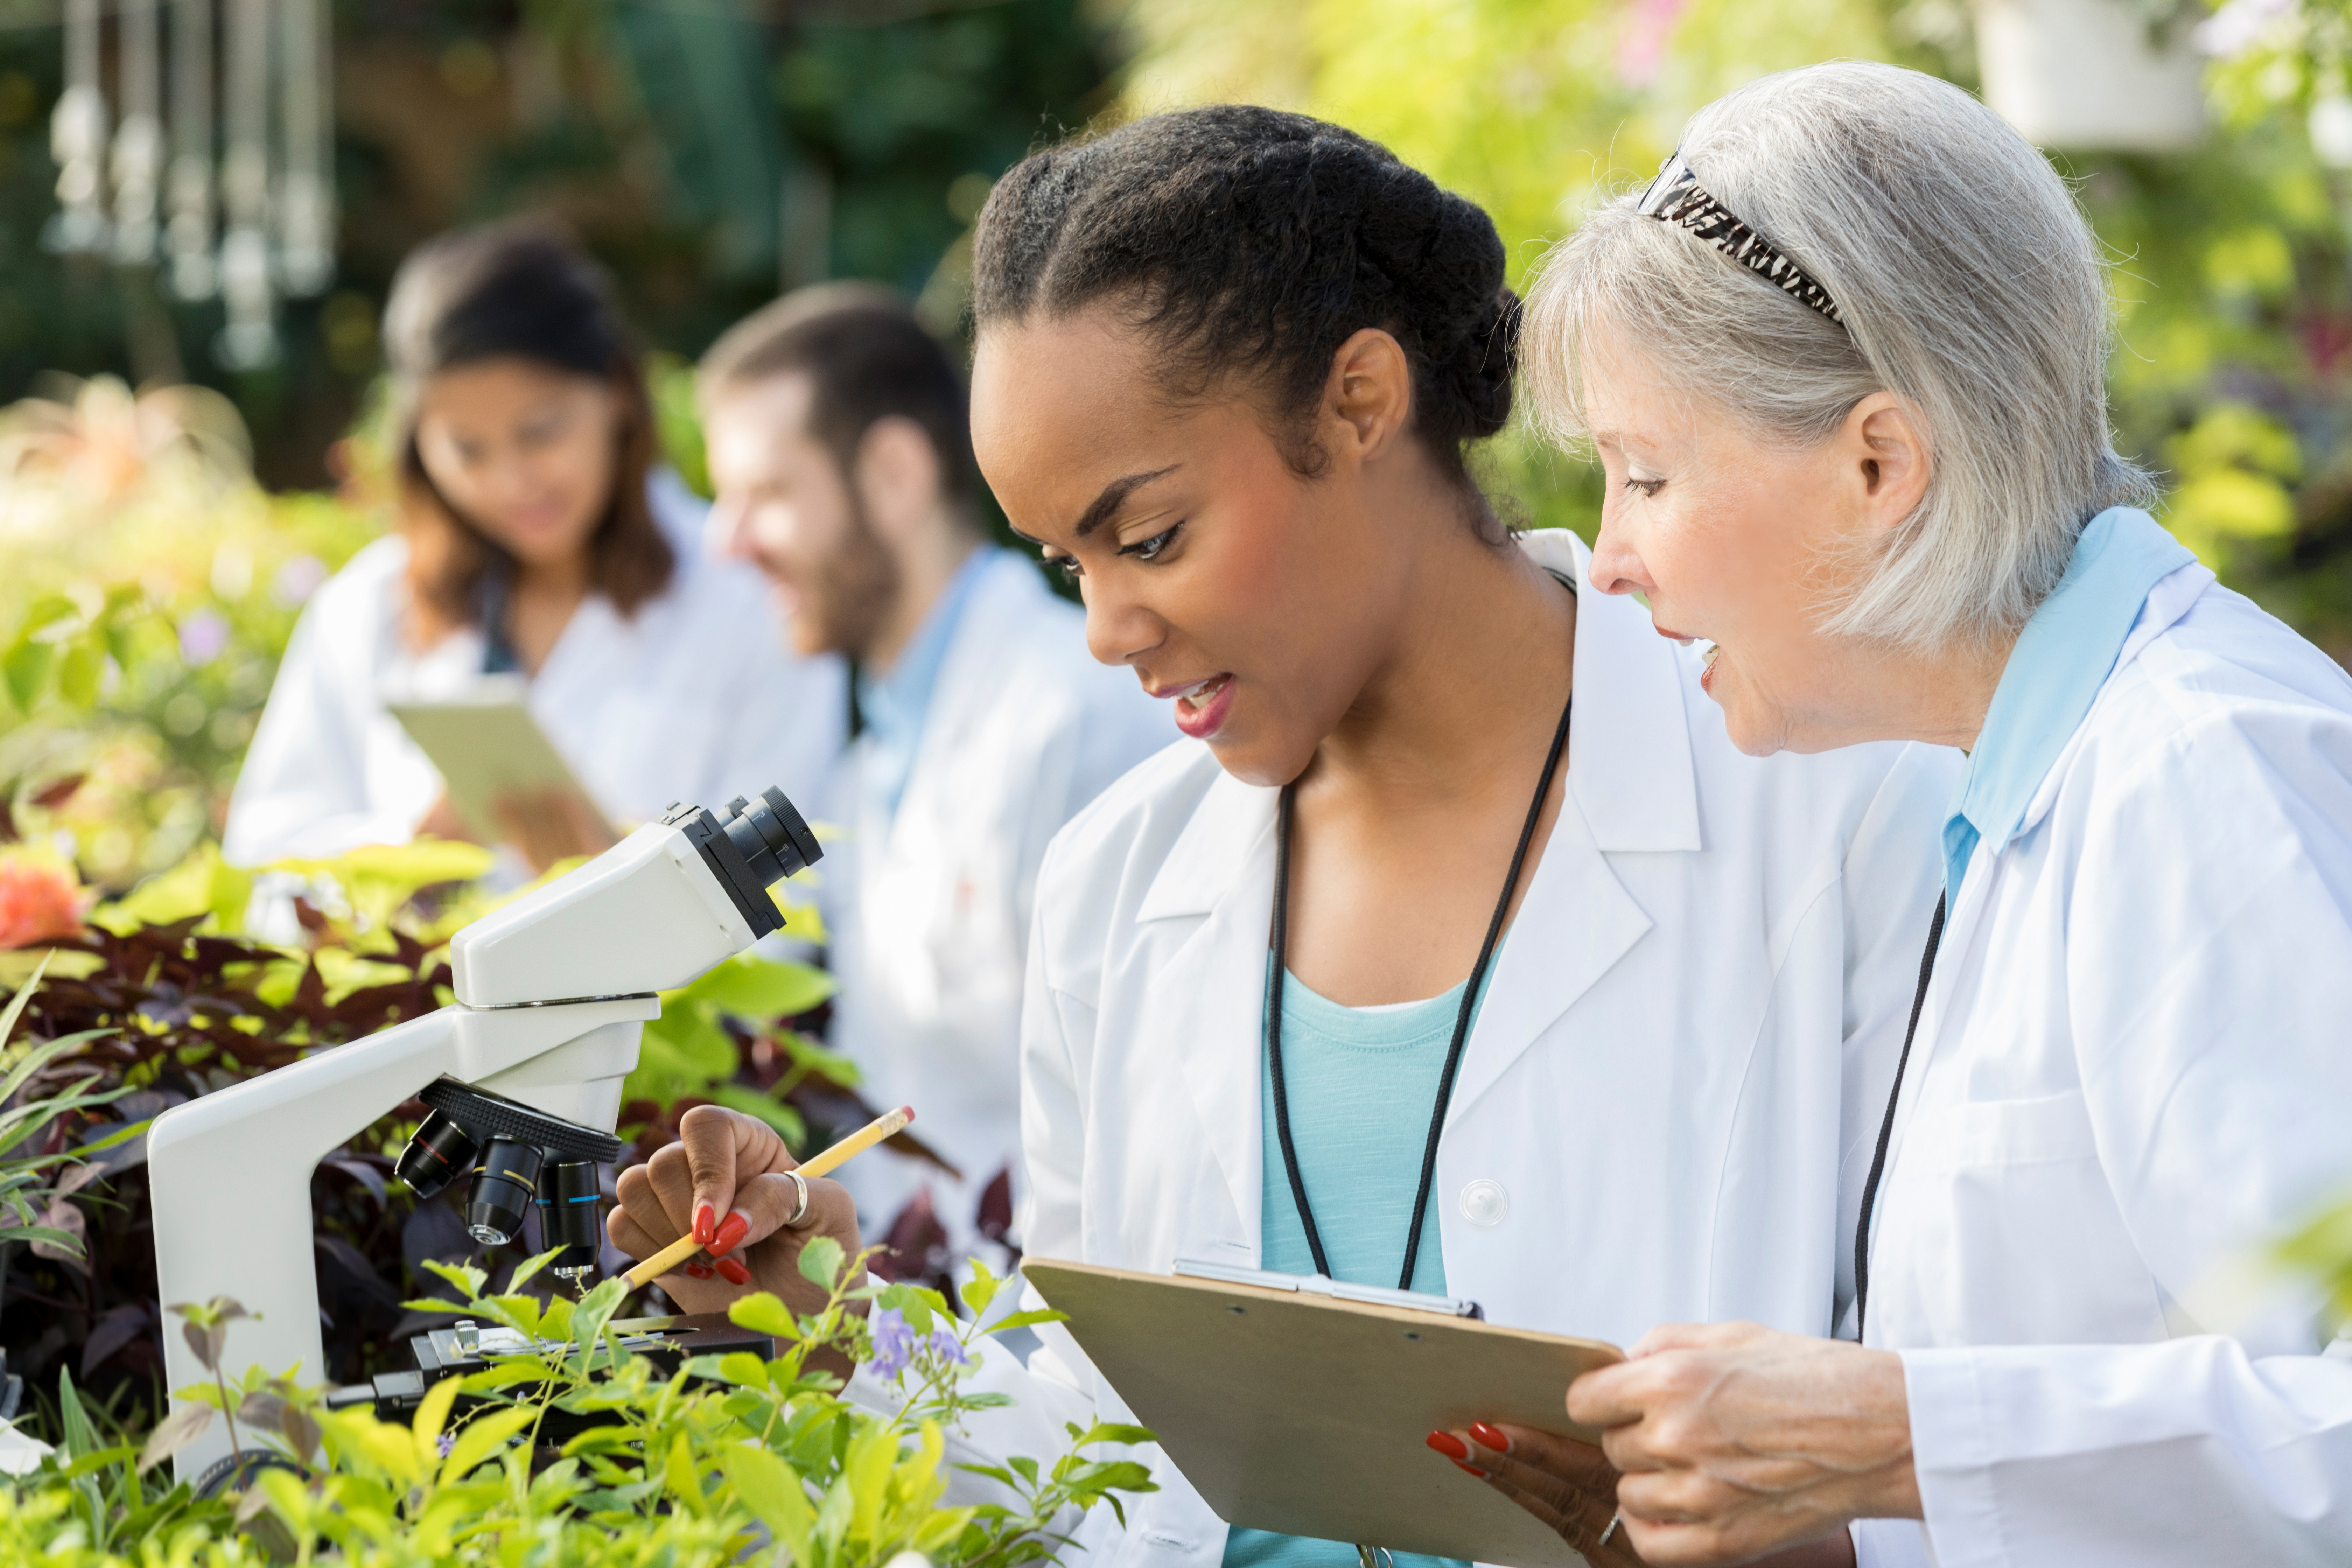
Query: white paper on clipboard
pixel 488 746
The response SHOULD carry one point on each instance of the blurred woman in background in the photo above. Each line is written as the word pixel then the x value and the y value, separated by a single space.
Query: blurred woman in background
pixel 537 543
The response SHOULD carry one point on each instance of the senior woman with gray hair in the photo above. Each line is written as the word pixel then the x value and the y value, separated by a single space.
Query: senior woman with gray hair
pixel 1842 364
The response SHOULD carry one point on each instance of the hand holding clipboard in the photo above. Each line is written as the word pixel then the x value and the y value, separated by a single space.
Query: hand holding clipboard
pixel 1307 1409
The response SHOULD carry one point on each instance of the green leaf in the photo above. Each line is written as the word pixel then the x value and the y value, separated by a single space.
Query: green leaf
pixel 465 1277
pixel 78 673
pixel 81 1436
pixel 16 1010
pixel 1028 1320
pixel 595 1310
pixel 100 1460
pixel 64 1239
pixel 980 1289
pixel 821 1261
pixel 750 986
pixel 762 1313
pixel 1115 1432
pixel 482 1437
pixel 771 1489
pixel 26 670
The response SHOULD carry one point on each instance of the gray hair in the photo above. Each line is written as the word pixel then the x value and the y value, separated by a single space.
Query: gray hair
pixel 1971 288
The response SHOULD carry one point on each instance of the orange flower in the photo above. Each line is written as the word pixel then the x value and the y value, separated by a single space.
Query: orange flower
pixel 40 900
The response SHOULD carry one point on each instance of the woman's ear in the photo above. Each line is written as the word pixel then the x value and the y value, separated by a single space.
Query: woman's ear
pixel 1368 398
pixel 1889 450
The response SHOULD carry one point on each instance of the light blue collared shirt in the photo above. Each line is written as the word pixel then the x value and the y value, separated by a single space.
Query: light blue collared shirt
pixel 894 705
pixel 2061 658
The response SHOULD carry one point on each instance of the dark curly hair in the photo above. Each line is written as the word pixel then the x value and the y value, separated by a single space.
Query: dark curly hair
pixel 1253 242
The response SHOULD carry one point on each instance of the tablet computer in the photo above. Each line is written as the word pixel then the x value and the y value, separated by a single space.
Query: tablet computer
pixel 1296 1406
pixel 488 746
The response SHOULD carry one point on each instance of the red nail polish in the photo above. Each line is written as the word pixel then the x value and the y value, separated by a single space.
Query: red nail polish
pixel 731 1269
pixel 1490 1437
pixel 706 1225
pixel 1469 1470
pixel 731 1230
pixel 698 1269
pixel 1447 1444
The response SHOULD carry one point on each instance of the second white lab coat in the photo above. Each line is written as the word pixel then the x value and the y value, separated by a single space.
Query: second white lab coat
pixel 929 904
pixel 1662 1112
pixel 2133 1074
pixel 695 697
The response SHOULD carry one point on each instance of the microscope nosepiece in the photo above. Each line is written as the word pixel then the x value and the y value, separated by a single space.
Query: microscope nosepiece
pixel 438 1155
pixel 505 1185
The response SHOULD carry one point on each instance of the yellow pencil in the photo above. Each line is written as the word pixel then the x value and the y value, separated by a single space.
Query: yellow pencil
pixel 857 1142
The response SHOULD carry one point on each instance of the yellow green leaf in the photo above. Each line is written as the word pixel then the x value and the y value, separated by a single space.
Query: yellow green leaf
pixel 432 1414
pixel 483 1436
pixel 771 1489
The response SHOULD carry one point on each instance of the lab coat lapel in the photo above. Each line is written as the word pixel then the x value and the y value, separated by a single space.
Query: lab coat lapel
pixel 1632 788
pixel 1221 876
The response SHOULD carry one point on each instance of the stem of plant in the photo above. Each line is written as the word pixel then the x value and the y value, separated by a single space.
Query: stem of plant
pixel 228 1412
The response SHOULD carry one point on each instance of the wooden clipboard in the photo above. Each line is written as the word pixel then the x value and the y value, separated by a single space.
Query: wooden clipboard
pixel 1301 1413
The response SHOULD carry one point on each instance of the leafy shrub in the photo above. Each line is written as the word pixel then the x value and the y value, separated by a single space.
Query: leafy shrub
pixel 730 1455
pixel 147 590
pixel 158 999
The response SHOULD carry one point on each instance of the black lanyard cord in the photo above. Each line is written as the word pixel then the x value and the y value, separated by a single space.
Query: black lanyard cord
pixel 1886 1127
pixel 1279 942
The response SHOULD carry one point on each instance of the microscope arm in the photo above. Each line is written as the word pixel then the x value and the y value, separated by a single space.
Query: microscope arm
pixel 230 1172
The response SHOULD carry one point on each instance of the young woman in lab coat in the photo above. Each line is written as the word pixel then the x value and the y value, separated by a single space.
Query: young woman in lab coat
pixel 538 543
pixel 1628 985
pixel 1875 470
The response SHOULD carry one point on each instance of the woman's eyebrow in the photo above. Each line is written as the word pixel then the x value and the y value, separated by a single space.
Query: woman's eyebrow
pixel 1114 496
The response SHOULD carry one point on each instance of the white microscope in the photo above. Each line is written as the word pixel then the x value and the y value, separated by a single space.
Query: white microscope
pixel 524 1072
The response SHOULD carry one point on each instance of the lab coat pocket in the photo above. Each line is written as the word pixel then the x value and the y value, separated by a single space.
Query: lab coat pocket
pixel 2020 1239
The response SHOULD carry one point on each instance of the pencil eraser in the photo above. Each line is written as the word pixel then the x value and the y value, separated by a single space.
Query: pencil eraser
pixel 907 1111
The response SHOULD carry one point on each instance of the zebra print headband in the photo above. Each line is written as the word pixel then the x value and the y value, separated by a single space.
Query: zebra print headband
pixel 1675 196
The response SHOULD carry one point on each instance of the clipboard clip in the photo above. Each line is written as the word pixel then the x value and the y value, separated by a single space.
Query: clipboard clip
pixel 1338 1290
pixel 1374 1556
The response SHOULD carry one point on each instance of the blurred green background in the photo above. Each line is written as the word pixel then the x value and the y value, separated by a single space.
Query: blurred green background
pixel 715 152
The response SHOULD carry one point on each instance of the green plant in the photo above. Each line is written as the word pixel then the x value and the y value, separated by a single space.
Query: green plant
pixel 31 1190
pixel 156 998
pixel 726 1458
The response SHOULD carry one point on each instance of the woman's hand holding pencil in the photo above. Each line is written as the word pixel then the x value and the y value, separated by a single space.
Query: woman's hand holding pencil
pixel 725 1188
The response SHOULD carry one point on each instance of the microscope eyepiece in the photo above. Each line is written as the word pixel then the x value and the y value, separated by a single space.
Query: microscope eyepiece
pixel 569 1217
pixel 748 847
pixel 505 1185
pixel 439 1153
pixel 769 835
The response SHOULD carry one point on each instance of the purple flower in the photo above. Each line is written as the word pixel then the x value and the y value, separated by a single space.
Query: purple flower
pixel 298 579
pixel 201 636
pixel 948 1348
pixel 894 1343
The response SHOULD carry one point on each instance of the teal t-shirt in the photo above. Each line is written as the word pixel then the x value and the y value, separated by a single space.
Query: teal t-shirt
pixel 1362 1083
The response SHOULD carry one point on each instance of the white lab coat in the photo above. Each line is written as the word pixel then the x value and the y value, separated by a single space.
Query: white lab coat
pixel 695 697
pixel 2133 1070
pixel 929 906
pixel 1684 1037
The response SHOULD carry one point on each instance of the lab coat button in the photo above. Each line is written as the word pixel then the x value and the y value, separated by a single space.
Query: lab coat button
pixel 1484 1204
